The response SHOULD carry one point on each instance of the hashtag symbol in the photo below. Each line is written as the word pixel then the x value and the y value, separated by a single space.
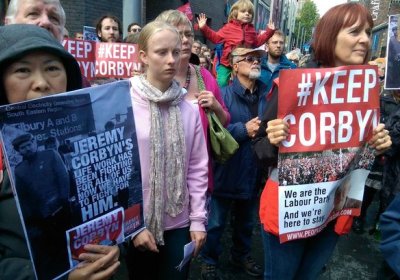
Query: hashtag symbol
pixel 100 52
pixel 304 87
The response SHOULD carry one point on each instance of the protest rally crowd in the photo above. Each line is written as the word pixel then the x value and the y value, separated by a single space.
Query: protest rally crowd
pixel 295 171
pixel 181 93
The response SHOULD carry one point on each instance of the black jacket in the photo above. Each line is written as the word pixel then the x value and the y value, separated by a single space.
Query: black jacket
pixel 15 262
pixel 391 178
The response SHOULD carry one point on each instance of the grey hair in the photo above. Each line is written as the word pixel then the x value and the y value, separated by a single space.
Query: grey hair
pixel 14 5
pixel 174 18
pixel 235 58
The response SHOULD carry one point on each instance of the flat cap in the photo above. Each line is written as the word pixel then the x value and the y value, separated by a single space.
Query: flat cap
pixel 21 139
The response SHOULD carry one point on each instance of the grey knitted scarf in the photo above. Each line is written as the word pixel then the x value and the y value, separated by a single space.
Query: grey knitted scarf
pixel 167 157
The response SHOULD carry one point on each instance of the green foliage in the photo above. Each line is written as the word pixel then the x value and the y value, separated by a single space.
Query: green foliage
pixel 307 18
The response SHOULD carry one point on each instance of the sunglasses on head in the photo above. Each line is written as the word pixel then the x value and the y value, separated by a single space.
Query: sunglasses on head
pixel 251 59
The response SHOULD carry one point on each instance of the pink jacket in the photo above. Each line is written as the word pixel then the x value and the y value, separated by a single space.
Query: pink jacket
pixel 196 160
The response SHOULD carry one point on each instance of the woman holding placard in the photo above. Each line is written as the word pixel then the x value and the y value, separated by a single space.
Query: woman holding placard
pixel 34 64
pixel 341 38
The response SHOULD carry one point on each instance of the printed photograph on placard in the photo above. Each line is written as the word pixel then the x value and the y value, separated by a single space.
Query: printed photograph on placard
pixel 325 160
pixel 392 80
pixel 74 168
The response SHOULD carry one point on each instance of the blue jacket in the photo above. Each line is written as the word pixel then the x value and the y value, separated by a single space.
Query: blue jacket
pixel 390 229
pixel 238 177
pixel 267 76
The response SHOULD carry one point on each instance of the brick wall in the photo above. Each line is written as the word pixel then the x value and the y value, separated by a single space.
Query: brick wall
pixel 87 12
pixel 383 8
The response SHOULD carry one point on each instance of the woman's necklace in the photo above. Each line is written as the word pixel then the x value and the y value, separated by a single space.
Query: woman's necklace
pixel 187 82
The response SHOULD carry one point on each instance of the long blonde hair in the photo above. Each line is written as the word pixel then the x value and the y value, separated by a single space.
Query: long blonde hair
pixel 239 5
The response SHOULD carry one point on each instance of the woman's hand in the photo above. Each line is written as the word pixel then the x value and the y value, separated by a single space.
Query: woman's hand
pixel 207 101
pixel 99 262
pixel 380 140
pixel 202 20
pixel 145 241
pixel 271 24
pixel 200 238
pixel 277 131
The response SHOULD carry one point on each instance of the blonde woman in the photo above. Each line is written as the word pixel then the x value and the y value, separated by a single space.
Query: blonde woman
pixel 173 158
pixel 191 78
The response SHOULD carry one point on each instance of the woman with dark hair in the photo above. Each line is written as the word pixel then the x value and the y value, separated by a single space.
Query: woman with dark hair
pixel 34 64
pixel 342 37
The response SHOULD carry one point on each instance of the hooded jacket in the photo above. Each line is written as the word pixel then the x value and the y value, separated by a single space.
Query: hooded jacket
pixel 268 76
pixel 16 41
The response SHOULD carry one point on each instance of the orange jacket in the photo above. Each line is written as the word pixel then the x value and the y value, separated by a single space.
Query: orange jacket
pixel 269 211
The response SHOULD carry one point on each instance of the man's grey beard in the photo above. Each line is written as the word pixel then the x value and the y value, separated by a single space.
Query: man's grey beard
pixel 254 74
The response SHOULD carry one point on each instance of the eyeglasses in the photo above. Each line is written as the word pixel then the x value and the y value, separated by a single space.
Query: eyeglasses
pixel 250 59
pixel 187 34
pixel 136 29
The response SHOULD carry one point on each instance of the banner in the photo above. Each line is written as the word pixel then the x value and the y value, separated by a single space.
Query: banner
pixel 104 60
pixel 325 160
pixel 75 171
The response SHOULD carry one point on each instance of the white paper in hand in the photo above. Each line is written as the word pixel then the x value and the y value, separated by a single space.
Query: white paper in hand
pixel 188 250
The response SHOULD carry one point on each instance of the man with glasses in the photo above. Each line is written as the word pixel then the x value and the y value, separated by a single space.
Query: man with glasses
pixel 276 60
pixel 236 181
pixel 134 28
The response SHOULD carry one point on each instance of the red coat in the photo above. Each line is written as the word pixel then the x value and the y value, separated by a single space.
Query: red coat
pixel 236 33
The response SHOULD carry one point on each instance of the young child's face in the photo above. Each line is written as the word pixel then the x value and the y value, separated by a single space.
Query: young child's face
pixel 244 15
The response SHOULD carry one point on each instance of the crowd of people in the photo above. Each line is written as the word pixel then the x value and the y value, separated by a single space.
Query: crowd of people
pixel 327 166
pixel 187 195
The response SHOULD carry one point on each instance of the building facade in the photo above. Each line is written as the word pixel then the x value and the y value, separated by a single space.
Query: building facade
pixel 87 12
pixel 380 10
